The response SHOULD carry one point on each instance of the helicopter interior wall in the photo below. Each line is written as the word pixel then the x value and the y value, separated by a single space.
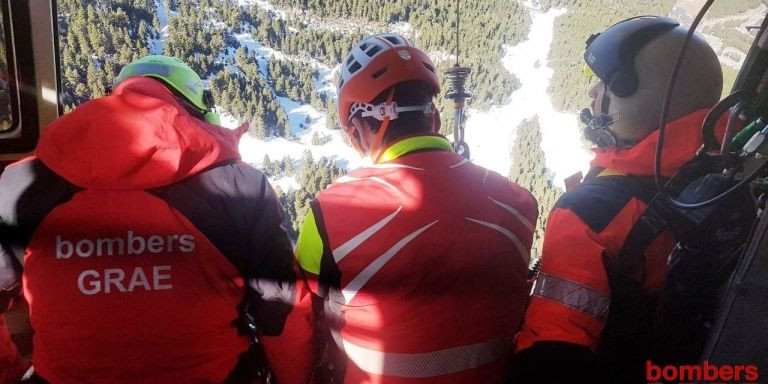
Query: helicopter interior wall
pixel 745 308
pixel 28 27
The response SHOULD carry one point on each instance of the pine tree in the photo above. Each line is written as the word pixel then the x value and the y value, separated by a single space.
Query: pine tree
pixel 316 139
pixel 257 128
pixel 266 166
pixel 332 118
pixel 530 172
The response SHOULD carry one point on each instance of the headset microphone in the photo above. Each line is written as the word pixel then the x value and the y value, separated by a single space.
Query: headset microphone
pixel 596 129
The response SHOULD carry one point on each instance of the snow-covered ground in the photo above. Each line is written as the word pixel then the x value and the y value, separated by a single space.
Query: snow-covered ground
pixel 402 28
pixel 733 57
pixel 264 4
pixel 491 134
pixel 253 150
pixel 286 183
pixel 440 56
pixel 324 83
pixel 263 54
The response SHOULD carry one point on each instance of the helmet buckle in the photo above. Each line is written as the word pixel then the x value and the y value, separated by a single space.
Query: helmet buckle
pixel 387 110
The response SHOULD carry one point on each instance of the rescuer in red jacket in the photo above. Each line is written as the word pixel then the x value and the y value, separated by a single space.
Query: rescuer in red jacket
pixel 143 240
pixel 418 262
pixel 589 316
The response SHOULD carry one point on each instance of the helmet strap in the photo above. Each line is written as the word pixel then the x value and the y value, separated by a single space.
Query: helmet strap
pixel 208 115
pixel 385 109
pixel 376 149
pixel 355 142
pixel 191 108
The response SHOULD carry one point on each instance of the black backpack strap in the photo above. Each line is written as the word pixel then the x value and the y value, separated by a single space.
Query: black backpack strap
pixel 30 191
pixel 652 223
pixel 625 338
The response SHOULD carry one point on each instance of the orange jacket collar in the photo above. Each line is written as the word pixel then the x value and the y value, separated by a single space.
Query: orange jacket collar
pixel 681 141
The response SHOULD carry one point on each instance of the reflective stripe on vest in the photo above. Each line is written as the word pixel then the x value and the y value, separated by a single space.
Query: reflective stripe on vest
pixel 573 295
pixel 357 283
pixel 429 364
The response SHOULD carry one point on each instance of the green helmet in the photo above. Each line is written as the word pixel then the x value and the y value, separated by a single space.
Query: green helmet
pixel 175 74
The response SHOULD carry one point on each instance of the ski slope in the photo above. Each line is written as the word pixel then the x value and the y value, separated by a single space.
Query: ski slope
pixel 491 134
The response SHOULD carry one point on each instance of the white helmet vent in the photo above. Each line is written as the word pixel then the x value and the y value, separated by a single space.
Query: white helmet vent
pixel 373 50
pixel 365 51
pixel 393 39
pixel 354 67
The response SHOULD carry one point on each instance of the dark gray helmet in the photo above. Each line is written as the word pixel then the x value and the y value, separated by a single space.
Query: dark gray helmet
pixel 635 58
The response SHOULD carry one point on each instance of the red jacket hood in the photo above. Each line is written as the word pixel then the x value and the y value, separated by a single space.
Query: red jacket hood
pixel 682 139
pixel 138 137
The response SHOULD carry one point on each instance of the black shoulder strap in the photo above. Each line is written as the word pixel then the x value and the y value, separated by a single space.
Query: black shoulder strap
pixel 598 199
pixel 626 336
pixel 30 191
pixel 652 223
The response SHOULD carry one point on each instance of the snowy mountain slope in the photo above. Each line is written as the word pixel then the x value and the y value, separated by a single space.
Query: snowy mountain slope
pixel 723 32
pixel 484 128
pixel 254 150
pixel 491 134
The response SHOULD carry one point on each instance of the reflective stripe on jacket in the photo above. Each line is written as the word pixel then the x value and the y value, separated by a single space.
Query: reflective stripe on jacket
pixel 421 261
pixel 580 297
pixel 141 236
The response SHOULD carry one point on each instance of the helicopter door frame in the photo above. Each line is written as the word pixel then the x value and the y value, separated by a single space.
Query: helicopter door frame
pixel 31 44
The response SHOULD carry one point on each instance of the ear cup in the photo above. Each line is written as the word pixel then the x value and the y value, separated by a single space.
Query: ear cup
pixel 210 116
pixel 623 83
pixel 208 99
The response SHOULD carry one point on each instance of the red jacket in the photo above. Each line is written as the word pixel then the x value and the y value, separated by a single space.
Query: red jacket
pixel 12 367
pixel 141 229
pixel 421 261
pixel 586 235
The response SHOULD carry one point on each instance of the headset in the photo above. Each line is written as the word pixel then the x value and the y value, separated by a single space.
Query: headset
pixel 611 57
pixel 209 115
pixel 611 54
pixel 596 130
